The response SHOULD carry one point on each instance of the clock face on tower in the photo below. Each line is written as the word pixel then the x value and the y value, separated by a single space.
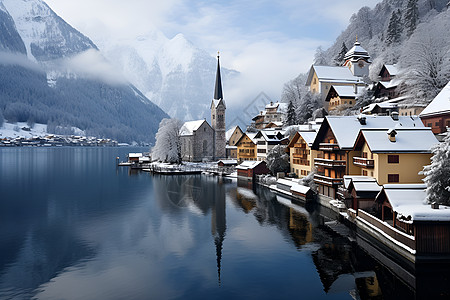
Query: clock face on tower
pixel 361 64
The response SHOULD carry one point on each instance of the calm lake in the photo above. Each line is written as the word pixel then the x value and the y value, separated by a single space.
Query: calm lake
pixel 75 226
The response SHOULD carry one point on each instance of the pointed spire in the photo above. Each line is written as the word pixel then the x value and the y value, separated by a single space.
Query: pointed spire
pixel 218 89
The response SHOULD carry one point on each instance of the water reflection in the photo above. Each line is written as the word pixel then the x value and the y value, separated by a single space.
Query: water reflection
pixel 84 229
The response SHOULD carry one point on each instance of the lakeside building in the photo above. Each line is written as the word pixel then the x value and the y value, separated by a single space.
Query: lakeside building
pixel 437 114
pixel 336 139
pixel 266 139
pixel 387 87
pixel 249 169
pixel 301 155
pixel 394 155
pixel 246 147
pixel 201 141
pixel 232 137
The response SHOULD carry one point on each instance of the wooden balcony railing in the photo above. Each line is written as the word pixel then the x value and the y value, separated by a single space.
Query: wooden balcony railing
pixel 329 162
pixel 363 162
pixel 328 147
pixel 327 180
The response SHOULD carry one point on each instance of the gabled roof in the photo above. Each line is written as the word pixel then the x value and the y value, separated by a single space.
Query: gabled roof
pixel 439 105
pixel 251 136
pixel 411 140
pixel 364 185
pixel 343 91
pixel 383 105
pixel 249 164
pixel 409 201
pixel 346 128
pixel 230 132
pixel 189 128
pixel 216 103
pixel 327 73
pixel 349 178
pixel 308 137
pixel 392 70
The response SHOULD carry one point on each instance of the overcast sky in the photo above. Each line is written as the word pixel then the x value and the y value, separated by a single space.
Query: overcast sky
pixel 271 41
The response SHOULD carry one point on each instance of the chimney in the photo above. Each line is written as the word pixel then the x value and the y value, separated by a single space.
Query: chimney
pixel 394 115
pixel 271 103
pixel 392 133
pixel 362 120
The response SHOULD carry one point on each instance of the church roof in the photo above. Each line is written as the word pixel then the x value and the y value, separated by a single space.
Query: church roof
pixel 189 128
pixel 218 94
pixel 440 104
pixel 357 52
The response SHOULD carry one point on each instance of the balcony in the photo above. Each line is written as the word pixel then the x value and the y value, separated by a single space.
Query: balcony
pixel 328 147
pixel 330 163
pixel 300 145
pixel 300 155
pixel 363 162
pixel 320 179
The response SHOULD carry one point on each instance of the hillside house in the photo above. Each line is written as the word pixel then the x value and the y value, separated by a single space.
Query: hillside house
pixel 342 96
pixel 266 139
pixel 437 114
pixel 301 155
pixel 246 147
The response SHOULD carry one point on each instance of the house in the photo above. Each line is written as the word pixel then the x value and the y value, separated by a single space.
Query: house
pixel 437 114
pixel 388 85
pixel 249 169
pixel 381 109
pixel 273 113
pixel 246 147
pixel 336 139
pixel 362 191
pixel 197 141
pixel 393 155
pixel 266 139
pixel 227 163
pixel 134 157
pixel 232 136
pixel 321 78
pixel 301 155
pixel 342 96
pixel 418 228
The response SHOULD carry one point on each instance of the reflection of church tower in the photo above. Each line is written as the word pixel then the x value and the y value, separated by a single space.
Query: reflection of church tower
pixel 219 224
pixel 358 60
pixel 218 108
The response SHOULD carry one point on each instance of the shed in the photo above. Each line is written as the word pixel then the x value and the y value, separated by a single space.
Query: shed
pixel 249 169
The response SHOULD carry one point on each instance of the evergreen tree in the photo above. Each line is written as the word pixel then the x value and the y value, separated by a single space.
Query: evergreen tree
pixel 278 159
pixel 394 30
pixel 291 118
pixel 411 17
pixel 436 174
pixel 339 59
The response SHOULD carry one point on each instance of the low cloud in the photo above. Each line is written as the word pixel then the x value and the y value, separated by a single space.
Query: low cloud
pixel 91 64
pixel 12 59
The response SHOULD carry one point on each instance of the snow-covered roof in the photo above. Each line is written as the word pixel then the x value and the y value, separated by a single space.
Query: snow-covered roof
pixel 440 104
pixel 230 132
pixel 228 161
pixel 384 105
pixel 134 155
pixel 413 140
pixel 346 128
pixel 188 128
pixel 409 201
pixel 392 69
pixel 298 188
pixel 357 178
pixel 357 52
pixel 390 84
pixel 249 164
pixel 308 136
pixel 347 91
pixel 327 73
pixel 286 182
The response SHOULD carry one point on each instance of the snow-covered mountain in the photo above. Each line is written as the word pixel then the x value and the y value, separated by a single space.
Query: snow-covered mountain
pixel 173 73
pixel 52 74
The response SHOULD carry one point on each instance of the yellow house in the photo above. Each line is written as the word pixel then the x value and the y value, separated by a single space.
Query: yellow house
pixel 321 78
pixel 246 147
pixel 301 155
pixel 342 96
pixel 394 155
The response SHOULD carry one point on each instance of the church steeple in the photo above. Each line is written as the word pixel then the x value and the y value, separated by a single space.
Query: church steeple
pixel 218 89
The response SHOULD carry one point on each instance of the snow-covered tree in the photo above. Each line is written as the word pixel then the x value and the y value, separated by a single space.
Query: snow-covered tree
pixel 291 117
pixel 310 103
pixel 294 90
pixel 394 30
pixel 411 17
pixel 426 58
pixel 320 58
pixel 437 174
pixel 339 59
pixel 278 159
pixel 168 143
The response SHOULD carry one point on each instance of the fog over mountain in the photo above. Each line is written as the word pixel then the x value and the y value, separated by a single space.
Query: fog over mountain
pixel 52 74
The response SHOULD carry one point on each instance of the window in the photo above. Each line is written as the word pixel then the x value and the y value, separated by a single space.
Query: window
pixel 436 123
pixel 364 172
pixel 364 154
pixel 393 159
pixel 393 178
pixel 350 102
pixel 429 125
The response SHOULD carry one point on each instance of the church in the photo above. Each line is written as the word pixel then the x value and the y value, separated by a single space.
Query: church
pixel 201 141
